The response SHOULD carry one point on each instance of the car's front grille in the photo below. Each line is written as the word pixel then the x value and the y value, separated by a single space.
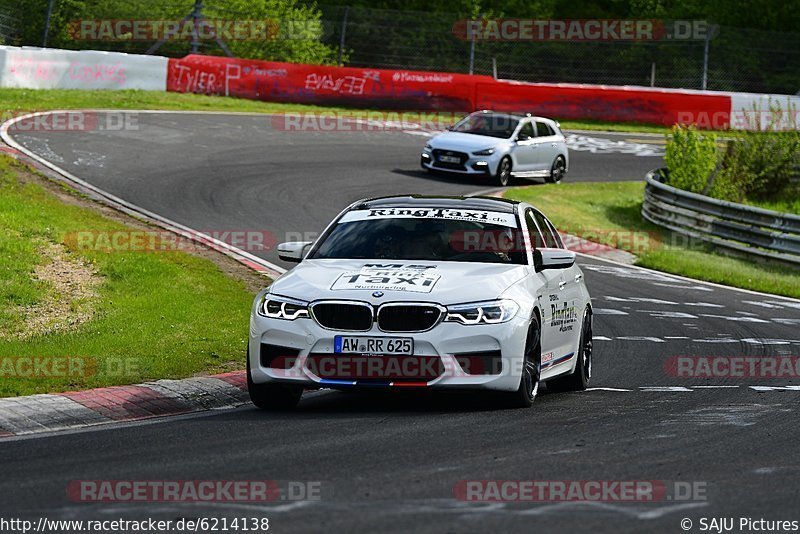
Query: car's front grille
pixel 408 317
pixel 462 157
pixel 343 315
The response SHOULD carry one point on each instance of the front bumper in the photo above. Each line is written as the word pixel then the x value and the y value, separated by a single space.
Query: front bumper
pixel 454 348
pixel 480 165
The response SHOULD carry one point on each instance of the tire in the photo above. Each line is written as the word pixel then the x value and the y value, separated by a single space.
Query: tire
pixel 579 379
pixel 531 371
pixel 272 397
pixel 503 176
pixel 557 171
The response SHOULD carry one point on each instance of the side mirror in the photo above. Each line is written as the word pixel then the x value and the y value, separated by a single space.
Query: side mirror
pixel 294 251
pixel 523 136
pixel 552 258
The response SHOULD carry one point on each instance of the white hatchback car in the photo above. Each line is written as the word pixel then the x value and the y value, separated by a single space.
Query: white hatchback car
pixel 500 145
pixel 424 292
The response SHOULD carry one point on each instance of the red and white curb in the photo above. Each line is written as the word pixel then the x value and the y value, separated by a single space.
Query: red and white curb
pixel 34 414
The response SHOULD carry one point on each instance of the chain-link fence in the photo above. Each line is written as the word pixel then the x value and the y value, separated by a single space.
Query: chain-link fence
pixel 8 25
pixel 733 59
pixel 737 59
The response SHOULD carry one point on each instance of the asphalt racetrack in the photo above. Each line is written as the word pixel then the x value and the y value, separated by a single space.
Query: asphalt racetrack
pixel 392 464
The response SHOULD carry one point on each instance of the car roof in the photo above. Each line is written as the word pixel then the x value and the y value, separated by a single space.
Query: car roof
pixel 502 205
pixel 520 116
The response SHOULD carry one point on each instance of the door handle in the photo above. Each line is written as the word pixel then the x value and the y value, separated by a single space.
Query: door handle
pixel 554 145
pixel 578 277
pixel 562 284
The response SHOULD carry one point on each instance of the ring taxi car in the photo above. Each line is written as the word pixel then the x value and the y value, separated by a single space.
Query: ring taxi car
pixel 424 292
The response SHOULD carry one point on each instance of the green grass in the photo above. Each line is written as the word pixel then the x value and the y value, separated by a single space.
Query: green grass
pixel 26 100
pixel 789 203
pixel 158 314
pixel 610 213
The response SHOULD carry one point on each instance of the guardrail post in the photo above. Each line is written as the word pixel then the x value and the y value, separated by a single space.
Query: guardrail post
pixel 341 38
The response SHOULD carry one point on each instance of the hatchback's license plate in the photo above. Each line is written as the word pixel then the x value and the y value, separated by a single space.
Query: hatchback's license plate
pixel 373 345
pixel 449 159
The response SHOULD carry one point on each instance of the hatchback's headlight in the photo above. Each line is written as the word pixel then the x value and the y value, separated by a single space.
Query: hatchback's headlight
pixel 428 147
pixel 276 307
pixel 484 152
pixel 490 312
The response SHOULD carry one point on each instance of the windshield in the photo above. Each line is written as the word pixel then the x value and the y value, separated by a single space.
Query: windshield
pixel 489 124
pixel 481 236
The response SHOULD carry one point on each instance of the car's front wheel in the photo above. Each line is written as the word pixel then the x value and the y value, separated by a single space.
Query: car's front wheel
pixel 274 397
pixel 503 175
pixel 579 379
pixel 557 171
pixel 531 370
pixel 423 166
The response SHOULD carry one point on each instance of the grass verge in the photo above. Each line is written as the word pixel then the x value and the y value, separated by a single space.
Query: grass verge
pixel 610 213
pixel 19 101
pixel 119 317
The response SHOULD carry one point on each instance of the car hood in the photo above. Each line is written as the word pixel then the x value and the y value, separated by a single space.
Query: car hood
pixel 379 281
pixel 465 141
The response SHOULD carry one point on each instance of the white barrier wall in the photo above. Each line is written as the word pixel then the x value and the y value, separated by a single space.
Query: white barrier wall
pixel 47 68
pixel 752 111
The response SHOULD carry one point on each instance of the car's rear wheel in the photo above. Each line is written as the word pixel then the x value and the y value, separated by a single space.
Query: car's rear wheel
pixel 503 175
pixel 557 171
pixel 579 379
pixel 531 370
pixel 274 397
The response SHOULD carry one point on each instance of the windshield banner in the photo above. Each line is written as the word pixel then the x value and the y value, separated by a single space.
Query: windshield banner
pixel 471 215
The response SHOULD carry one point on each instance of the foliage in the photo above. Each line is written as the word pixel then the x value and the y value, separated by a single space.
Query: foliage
pixel 691 158
pixel 302 44
pixel 757 167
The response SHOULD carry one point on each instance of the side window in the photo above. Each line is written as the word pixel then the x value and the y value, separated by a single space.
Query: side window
pixel 533 231
pixel 527 130
pixel 549 239
pixel 543 130
pixel 555 233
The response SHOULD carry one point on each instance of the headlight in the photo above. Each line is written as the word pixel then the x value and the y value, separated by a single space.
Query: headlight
pixel 490 312
pixel 484 152
pixel 276 307
pixel 428 147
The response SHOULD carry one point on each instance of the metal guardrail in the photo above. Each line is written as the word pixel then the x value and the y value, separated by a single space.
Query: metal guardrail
pixel 741 229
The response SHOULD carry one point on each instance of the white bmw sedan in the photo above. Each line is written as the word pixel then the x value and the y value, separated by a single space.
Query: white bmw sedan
pixel 424 292
pixel 500 145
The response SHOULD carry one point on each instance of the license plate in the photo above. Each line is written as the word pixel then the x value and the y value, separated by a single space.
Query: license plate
pixel 449 159
pixel 373 345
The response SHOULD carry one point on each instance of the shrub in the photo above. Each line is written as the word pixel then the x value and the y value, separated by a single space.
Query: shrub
pixel 691 158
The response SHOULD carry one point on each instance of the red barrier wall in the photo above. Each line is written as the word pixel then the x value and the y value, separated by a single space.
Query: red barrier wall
pixel 314 84
pixel 617 104
pixel 401 89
